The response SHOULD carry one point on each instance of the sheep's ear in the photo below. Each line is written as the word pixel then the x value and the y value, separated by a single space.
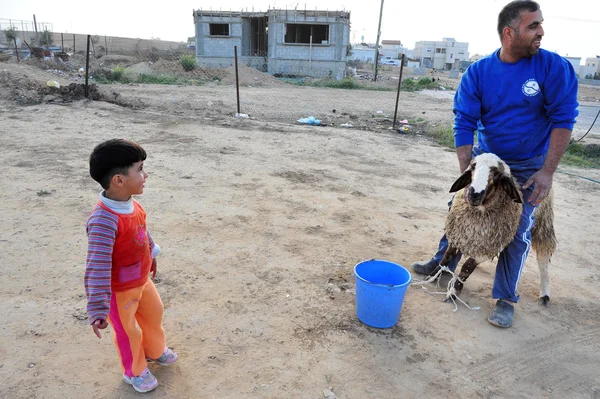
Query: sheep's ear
pixel 510 186
pixel 463 181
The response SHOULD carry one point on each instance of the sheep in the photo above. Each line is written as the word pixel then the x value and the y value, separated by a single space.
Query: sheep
pixel 484 217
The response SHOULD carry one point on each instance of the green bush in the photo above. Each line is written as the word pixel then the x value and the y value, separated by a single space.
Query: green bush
pixel 585 156
pixel 11 34
pixel 347 83
pixel 408 85
pixel 188 62
pixel 46 38
pixel 117 73
pixel 159 79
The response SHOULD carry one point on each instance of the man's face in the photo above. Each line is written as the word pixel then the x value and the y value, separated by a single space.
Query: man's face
pixel 528 33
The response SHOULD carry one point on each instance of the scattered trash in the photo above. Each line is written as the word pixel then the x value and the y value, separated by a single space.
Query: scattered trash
pixel 328 394
pixel 242 116
pixel 442 88
pixel 53 83
pixel 309 121
pixel 380 112
pixel 404 121
pixel 346 125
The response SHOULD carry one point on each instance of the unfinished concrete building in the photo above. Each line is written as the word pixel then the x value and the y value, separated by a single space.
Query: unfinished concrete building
pixel 280 42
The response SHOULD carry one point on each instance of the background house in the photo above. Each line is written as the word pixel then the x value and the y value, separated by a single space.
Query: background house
pixel 446 54
pixel 575 61
pixel 591 67
pixel 391 49
pixel 362 54
pixel 284 42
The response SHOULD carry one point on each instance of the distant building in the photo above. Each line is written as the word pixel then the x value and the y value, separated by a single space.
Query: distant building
pixel 411 63
pixel 446 54
pixel 362 54
pixel 391 49
pixel 286 42
pixel 575 61
pixel 594 63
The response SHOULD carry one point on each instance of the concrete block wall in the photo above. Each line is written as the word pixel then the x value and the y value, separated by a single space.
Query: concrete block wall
pixel 259 63
pixel 318 69
pixel 304 52
pixel 218 46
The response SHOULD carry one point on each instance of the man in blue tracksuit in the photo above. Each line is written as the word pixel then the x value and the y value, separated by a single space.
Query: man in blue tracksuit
pixel 522 101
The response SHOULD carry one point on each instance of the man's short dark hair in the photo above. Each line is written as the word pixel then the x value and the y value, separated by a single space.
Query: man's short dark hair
pixel 114 157
pixel 512 11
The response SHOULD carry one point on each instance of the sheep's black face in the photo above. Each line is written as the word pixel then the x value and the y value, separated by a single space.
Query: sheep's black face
pixel 485 176
pixel 475 198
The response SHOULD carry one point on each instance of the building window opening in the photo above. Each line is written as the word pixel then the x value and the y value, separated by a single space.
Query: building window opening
pixel 301 33
pixel 219 29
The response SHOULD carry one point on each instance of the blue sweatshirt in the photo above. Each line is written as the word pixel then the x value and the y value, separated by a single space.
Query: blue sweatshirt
pixel 514 107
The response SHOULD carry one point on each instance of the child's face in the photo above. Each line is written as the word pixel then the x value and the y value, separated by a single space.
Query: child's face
pixel 135 179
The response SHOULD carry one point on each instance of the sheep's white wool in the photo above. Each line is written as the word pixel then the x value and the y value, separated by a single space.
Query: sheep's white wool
pixel 480 175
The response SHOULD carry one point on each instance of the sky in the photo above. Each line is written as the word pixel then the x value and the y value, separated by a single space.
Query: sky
pixel 572 27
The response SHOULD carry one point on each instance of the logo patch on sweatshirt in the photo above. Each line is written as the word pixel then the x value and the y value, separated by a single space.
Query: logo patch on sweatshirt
pixel 531 88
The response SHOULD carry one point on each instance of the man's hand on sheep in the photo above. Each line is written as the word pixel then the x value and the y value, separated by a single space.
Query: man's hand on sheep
pixel 542 182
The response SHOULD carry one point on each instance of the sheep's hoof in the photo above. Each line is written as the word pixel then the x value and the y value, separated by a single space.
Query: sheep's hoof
pixel 452 296
pixel 458 286
pixel 545 300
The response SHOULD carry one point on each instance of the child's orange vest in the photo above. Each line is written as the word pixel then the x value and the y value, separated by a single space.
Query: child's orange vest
pixel 131 257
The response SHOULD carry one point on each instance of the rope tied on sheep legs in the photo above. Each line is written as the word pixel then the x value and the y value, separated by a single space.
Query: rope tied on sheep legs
pixel 450 292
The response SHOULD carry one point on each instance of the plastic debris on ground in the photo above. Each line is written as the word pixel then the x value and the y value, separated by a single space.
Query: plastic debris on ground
pixel 53 83
pixel 309 121
pixel 346 125
pixel 242 116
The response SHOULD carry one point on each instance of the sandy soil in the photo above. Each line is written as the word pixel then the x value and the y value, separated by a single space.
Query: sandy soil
pixel 261 222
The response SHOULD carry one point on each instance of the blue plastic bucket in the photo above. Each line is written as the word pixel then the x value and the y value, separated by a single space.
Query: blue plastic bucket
pixel 380 289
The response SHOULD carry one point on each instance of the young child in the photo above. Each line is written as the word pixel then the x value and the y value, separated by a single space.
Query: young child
pixel 120 257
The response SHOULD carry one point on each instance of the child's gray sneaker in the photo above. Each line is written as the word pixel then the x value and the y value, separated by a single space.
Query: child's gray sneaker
pixel 145 382
pixel 168 357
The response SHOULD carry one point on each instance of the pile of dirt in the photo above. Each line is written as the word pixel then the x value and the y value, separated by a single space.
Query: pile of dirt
pixel 250 77
pixel 28 88
pixel 65 94
pixel 19 88
pixel 115 59
pixel 141 68
pixel 173 67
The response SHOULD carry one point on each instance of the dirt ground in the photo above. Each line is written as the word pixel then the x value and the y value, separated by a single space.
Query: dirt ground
pixel 261 222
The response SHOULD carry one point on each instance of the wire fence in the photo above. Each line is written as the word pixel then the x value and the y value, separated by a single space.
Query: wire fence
pixel 23 27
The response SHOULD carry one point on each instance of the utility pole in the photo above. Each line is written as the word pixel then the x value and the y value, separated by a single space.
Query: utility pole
pixel 36 31
pixel 377 43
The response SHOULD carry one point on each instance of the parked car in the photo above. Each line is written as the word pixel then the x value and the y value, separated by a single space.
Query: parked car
pixel 389 61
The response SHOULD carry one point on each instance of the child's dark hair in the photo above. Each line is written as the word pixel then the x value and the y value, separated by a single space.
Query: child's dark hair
pixel 114 157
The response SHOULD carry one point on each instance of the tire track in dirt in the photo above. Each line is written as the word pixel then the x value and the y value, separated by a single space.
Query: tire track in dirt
pixel 546 362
